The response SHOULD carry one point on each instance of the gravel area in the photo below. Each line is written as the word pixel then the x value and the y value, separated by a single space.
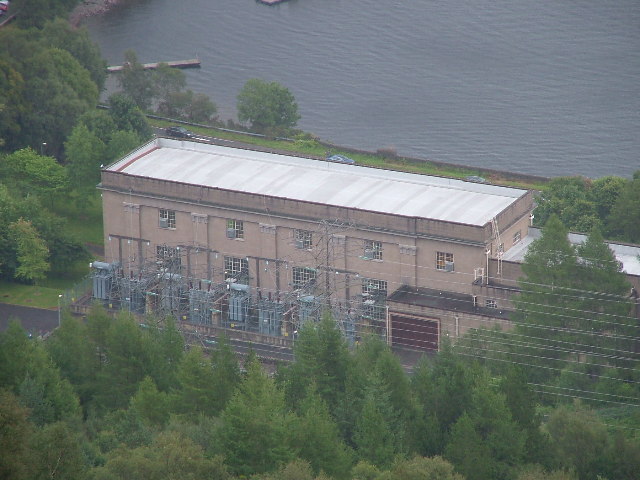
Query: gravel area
pixel 89 8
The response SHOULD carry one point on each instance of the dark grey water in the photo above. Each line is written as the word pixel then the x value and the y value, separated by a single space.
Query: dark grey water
pixel 545 87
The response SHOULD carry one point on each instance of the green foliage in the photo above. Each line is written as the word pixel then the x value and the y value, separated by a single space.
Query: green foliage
pixel 573 297
pixel 254 430
pixel 582 204
pixel 170 456
pixel 57 453
pixel 60 34
pixel 226 374
pixel 85 153
pixel 151 405
pixel 30 172
pixel 31 252
pixel 267 105
pixel 322 359
pixel 15 432
pixel 35 13
pixel 315 438
pixel 189 106
pixel 134 81
pixel 373 437
pixel 420 468
pixel 196 393
pixel 579 441
pixel 624 221
pixel 128 116
pixel 61 90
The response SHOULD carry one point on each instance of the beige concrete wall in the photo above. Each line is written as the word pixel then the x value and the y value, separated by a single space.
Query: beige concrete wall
pixel 409 245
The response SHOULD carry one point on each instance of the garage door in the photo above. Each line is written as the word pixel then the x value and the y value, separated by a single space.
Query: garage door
pixel 414 332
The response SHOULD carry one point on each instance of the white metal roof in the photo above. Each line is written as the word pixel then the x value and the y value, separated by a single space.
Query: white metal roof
pixel 318 181
pixel 627 255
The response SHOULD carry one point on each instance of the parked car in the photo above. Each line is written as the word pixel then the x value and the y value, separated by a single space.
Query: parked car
pixel 177 131
pixel 341 159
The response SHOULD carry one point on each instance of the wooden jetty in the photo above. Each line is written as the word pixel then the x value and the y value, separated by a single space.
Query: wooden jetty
pixel 192 63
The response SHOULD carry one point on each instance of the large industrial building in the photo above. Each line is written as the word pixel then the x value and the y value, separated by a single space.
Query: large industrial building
pixel 262 242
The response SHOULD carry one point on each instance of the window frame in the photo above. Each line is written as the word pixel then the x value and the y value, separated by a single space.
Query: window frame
pixel 442 259
pixel 490 303
pixel 168 257
pixel 237 226
pixel 169 216
pixel 303 236
pixel 235 266
pixel 375 247
pixel 376 307
pixel 517 237
pixel 302 276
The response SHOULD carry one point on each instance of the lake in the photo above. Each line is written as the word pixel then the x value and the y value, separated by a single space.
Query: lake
pixel 548 88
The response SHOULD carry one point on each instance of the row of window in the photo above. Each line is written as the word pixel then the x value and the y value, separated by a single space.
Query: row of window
pixel 304 240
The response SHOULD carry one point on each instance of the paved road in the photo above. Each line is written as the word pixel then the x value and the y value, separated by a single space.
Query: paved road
pixel 37 321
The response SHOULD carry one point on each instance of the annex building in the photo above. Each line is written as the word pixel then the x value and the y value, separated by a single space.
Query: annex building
pixel 262 242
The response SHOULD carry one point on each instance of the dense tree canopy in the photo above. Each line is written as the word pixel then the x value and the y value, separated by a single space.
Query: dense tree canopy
pixel 582 204
pixel 267 106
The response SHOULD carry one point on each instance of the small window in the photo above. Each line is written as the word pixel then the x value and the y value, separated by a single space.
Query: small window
pixel 490 303
pixel 444 261
pixel 303 239
pixel 235 267
pixel 516 237
pixel 235 229
pixel 167 218
pixel 303 276
pixel 372 286
pixel 168 258
pixel 372 250
pixel 374 298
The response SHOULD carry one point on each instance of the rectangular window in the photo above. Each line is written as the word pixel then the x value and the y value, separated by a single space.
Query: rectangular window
pixel 372 250
pixel 303 239
pixel 303 276
pixel 168 258
pixel 374 298
pixel 167 218
pixel 235 229
pixel 490 303
pixel 235 267
pixel 516 237
pixel 444 261
pixel 371 286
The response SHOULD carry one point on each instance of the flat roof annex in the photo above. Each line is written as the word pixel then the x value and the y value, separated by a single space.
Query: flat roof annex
pixel 305 179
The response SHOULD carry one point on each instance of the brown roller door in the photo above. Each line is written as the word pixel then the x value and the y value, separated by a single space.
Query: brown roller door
pixel 414 332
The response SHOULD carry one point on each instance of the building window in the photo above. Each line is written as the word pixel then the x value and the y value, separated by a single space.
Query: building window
pixel 490 303
pixel 374 298
pixel 516 237
pixel 168 258
pixel 303 239
pixel 371 286
pixel 444 261
pixel 303 276
pixel 236 268
pixel 167 218
pixel 235 229
pixel 372 250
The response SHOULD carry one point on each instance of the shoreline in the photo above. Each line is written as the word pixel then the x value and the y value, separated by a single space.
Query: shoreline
pixel 90 8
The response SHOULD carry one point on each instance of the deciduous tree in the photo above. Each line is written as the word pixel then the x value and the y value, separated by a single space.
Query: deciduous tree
pixel 267 105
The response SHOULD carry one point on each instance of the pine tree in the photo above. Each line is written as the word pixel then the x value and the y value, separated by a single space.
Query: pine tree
pixel 254 430
pixel 546 307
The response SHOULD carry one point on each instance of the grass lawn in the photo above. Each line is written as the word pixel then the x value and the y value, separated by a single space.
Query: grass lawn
pixel 29 295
